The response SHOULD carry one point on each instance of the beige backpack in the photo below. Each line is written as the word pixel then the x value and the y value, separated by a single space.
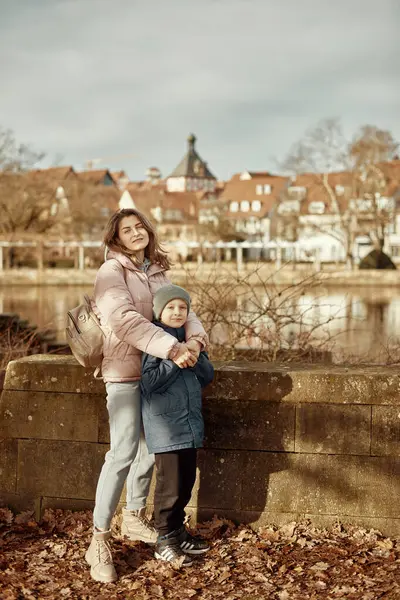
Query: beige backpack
pixel 85 335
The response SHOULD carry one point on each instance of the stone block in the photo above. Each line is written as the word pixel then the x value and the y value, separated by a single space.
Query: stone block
pixel 59 469
pixel 305 383
pixel 385 431
pixel 236 381
pixel 8 465
pixel 245 424
pixel 75 504
pixel 320 484
pixel 18 503
pixel 51 373
pixel 47 415
pixel 218 482
pixel 333 429
pixel 385 386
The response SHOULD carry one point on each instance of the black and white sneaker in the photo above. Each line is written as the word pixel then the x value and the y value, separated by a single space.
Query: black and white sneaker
pixel 191 544
pixel 171 551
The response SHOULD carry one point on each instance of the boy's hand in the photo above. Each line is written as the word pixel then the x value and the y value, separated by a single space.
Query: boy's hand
pixel 184 357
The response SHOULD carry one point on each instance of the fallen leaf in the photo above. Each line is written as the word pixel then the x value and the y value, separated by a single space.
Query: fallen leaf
pixel 320 566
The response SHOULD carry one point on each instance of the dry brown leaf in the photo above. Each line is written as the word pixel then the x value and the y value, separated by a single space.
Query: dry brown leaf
pixel 320 566
pixel 287 530
pixel 6 516
pixel 25 518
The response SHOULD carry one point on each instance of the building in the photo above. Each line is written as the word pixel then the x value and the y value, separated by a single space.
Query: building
pixel 249 198
pixel 340 214
pixel 192 173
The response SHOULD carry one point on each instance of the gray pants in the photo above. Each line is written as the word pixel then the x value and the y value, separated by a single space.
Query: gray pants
pixel 128 458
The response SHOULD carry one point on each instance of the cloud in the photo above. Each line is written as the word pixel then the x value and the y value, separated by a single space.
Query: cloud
pixel 90 78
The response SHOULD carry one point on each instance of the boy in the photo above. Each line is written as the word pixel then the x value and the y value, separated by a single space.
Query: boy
pixel 174 428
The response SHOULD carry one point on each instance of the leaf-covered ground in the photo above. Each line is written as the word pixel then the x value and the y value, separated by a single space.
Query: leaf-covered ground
pixel 295 562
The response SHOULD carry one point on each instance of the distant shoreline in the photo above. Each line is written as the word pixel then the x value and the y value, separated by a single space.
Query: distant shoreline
pixel 286 275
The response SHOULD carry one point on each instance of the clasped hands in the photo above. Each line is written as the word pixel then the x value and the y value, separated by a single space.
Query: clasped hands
pixel 187 354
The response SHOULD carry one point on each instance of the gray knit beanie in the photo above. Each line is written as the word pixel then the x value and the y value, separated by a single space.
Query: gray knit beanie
pixel 167 293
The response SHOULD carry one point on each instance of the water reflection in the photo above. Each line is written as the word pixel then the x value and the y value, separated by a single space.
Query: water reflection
pixel 362 320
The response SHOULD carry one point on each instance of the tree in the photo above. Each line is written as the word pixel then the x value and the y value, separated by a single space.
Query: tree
pixel 57 201
pixel 347 177
pixel 25 198
pixel 16 157
pixel 86 208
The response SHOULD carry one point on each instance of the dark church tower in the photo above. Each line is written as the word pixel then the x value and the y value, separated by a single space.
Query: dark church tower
pixel 192 173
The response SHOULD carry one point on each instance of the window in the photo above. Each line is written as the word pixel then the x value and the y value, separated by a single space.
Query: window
pixel 316 208
pixel 256 205
pixel 259 189
pixel 172 214
pixel 244 205
pixel 234 206
pixel 297 191
pixel 289 206
pixel 267 188
pixel 339 189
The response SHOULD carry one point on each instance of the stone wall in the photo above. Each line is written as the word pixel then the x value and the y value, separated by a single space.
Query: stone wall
pixel 283 443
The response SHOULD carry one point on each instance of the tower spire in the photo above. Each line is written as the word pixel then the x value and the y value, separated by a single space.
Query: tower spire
pixel 191 142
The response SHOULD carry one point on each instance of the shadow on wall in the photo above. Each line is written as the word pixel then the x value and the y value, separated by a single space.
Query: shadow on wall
pixel 328 451
pixel 248 434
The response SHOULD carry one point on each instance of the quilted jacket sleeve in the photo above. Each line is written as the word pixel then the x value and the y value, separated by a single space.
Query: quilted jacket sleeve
pixel 118 312
pixel 157 374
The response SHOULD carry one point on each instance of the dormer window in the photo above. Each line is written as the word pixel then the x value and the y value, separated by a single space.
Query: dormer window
pixel 234 206
pixel 263 188
pixel 245 206
pixel 256 206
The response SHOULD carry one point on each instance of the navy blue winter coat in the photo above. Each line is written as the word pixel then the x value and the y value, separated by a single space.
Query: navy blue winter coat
pixel 171 400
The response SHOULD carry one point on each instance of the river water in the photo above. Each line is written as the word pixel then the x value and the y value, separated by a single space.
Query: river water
pixel 364 318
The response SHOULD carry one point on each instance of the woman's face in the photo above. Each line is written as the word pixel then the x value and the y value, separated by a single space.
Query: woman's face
pixel 132 234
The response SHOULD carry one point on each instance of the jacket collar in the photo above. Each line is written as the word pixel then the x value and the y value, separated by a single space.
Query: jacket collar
pixel 128 264
pixel 177 332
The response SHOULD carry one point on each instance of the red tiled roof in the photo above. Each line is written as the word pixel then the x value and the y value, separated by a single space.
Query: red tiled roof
pixel 108 197
pixel 146 200
pixel 95 176
pixel 256 174
pixel 52 174
pixel 237 189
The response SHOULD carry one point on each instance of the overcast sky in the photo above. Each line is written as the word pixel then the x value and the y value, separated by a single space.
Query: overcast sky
pixel 82 79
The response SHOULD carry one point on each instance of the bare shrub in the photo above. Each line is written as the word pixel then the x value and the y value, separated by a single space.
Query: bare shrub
pixel 251 317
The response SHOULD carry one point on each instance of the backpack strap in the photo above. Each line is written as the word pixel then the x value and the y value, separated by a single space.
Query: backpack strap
pixel 97 372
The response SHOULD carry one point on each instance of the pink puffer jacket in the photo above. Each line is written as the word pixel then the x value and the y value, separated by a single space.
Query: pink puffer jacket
pixel 123 301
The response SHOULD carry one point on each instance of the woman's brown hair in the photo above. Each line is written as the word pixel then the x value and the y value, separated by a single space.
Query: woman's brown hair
pixel 153 251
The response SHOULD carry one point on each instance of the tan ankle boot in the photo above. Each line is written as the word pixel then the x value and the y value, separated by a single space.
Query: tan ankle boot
pixel 136 527
pixel 99 557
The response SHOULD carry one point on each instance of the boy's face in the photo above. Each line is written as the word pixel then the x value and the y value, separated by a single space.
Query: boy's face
pixel 174 313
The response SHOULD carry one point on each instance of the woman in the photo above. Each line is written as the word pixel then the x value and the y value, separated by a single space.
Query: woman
pixel 133 271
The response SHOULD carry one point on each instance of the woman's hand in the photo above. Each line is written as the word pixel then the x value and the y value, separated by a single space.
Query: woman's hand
pixel 194 347
pixel 185 357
